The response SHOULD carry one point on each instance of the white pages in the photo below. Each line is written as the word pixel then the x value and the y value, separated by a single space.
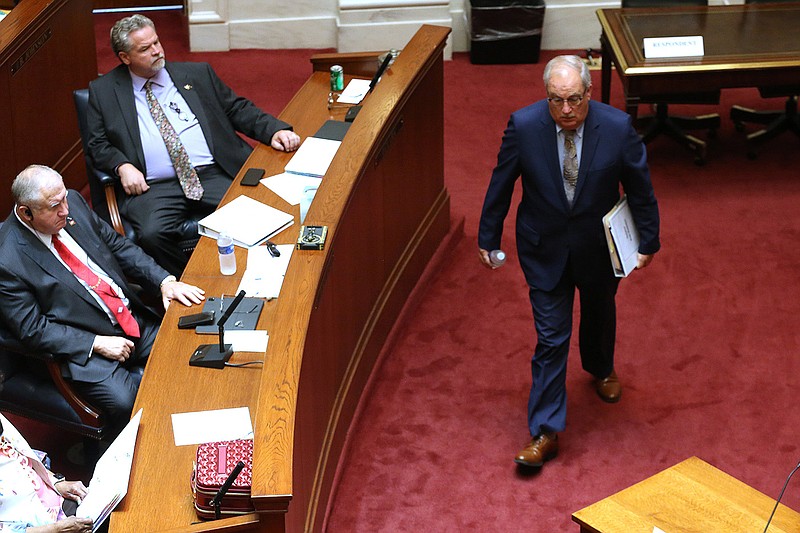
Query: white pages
pixel 313 157
pixel 623 238
pixel 109 482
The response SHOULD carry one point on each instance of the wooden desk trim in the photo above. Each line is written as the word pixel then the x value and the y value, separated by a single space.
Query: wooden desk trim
pixel 369 136
pixel 354 63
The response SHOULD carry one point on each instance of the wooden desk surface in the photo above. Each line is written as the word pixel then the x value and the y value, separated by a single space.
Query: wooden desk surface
pixel 690 497
pixel 745 46
pixel 387 209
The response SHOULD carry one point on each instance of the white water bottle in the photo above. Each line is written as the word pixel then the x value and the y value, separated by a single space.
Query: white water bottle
pixel 497 258
pixel 227 259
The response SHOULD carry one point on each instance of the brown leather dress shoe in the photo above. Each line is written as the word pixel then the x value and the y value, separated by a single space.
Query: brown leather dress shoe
pixel 542 448
pixel 609 389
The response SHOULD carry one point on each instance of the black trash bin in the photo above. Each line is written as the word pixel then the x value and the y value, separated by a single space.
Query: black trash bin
pixel 505 31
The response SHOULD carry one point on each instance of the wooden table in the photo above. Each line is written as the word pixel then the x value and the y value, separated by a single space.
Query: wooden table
pixel 690 497
pixel 387 210
pixel 752 45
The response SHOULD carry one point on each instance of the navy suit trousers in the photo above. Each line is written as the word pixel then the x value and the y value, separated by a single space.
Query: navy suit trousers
pixel 552 314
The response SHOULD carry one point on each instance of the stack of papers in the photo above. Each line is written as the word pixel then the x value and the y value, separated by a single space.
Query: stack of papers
pixel 247 221
pixel 622 237
pixel 313 157
pixel 109 482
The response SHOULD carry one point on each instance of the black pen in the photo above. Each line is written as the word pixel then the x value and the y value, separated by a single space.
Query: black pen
pixel 272 249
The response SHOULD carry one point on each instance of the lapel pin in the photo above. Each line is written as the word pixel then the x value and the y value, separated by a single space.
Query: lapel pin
pixel 188 87
pixel 70 221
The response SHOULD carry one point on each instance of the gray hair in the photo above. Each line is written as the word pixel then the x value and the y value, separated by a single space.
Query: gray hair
pixel 28 185
pixel 120 33
pixel 573 62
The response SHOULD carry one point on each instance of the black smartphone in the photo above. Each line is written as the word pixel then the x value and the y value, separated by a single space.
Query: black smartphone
pixel 252 176
pixel 203 318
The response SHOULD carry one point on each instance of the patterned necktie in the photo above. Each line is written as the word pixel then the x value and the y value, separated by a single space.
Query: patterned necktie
pixel 570 158
pixel 186 173
pixel 100 287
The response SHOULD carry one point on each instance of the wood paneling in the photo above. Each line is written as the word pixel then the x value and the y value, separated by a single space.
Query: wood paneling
pixel 47 50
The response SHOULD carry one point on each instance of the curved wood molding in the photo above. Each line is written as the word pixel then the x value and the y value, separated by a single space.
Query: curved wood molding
pixel 386 209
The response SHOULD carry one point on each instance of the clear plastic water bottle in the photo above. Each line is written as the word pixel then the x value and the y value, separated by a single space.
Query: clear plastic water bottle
pixel 227 259
pixel 497 258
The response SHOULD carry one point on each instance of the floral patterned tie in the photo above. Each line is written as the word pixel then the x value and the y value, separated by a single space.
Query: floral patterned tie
pixel 186 173
pixel 570 158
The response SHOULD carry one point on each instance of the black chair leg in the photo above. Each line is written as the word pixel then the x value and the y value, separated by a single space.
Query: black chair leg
pixel 776 123
pixel 675 126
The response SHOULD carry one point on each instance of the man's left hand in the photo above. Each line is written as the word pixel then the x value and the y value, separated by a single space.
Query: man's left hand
pixel 183 292
pixel 643 260
pixel 285 141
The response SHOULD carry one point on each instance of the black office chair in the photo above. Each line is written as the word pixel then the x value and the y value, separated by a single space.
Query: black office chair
pixel 675 126
pixel 777 121
pixel 31 386
pixel 104 188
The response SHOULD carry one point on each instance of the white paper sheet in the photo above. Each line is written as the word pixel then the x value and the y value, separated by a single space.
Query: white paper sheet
pixel 289 186
pixel 355 91
pixel 247 341
pixel 211 426
pixel 264 274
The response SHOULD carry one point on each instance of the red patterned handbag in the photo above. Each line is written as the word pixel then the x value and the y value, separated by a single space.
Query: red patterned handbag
pixel 214 463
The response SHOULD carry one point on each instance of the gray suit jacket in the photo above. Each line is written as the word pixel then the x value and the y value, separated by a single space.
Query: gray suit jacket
pixel 47 310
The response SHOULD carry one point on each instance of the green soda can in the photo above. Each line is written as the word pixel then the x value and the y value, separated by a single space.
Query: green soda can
pixel 337 78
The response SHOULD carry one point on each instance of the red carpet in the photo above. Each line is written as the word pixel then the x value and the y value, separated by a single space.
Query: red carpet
pixel 707 341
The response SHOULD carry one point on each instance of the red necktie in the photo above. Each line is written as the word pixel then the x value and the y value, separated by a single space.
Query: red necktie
pixel 100 287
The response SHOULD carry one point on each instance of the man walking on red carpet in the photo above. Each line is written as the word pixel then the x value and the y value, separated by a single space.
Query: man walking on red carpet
pixel 572 154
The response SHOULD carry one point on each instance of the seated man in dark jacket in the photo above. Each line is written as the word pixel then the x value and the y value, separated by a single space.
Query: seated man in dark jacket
pixel 64 284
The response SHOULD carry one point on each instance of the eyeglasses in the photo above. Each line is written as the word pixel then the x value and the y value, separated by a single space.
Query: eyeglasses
pixel 573 101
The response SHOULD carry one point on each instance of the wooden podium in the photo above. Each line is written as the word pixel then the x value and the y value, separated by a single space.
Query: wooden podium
pixel 691 496
pixel 384 202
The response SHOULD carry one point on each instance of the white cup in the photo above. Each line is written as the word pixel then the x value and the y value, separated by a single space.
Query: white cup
pixel 305 201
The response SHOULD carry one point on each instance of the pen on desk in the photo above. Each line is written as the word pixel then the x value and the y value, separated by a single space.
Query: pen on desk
pixel 272 249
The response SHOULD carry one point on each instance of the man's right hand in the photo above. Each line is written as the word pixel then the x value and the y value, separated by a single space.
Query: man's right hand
pixel 114 348
pixel 132 179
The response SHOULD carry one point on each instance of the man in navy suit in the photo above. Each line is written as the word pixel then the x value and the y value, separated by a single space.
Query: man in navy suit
pixel 126 140
pixel 560 238
pixel 50 306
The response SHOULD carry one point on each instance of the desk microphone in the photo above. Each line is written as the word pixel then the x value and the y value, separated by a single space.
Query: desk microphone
pixel 353 111
pixel 780 496
pixel 216 502
pixel 216 355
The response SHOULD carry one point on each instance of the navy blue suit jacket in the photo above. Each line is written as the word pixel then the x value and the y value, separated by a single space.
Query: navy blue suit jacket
pixel 549 231
pixel 114 136
pixel 47 310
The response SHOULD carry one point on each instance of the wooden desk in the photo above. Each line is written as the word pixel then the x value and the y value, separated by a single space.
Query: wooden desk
pixel 691 496
pixel 386 208
pixel 745 46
